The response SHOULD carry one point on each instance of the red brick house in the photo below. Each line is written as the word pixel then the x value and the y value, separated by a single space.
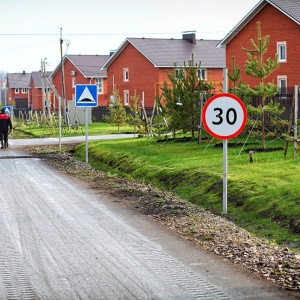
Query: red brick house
pixel 281 20
pixel 82 69
pixel 19 90
pixel 140 64
pixel 37 86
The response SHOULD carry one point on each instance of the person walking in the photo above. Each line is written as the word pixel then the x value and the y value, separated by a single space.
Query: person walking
pixel 5 127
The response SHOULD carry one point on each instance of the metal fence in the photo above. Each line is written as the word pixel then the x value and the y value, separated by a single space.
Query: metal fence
pixel 284 98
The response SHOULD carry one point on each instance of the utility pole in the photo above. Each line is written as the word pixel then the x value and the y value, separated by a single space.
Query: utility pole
pixel 45 95
pixel 62 79
pixel 43 85
pixel 52 87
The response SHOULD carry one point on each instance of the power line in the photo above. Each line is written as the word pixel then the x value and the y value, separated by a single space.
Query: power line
pixel 137 33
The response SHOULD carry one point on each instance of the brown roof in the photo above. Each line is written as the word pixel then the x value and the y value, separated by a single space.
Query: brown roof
pixel 291 8
pixel 88 65
pixel 168 52
pixel 18 80
pixel 36 77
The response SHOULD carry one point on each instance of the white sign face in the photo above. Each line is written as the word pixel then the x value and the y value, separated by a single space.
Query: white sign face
pixel 224 116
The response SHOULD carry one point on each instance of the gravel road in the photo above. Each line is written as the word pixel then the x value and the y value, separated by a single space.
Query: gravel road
pixel 70 232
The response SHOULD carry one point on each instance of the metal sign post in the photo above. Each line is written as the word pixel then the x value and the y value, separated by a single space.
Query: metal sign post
pixel 86 95
pixel 86 136
pixel 224 117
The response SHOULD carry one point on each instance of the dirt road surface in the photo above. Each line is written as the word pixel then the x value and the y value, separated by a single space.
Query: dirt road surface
pixel 61 240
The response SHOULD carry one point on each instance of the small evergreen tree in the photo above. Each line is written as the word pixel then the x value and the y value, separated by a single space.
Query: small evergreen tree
pixel 182 98
pixel 235 76
pixel 116 112
pixel 135 113
pixel 171 97
pixel 256 66
pixel 160 124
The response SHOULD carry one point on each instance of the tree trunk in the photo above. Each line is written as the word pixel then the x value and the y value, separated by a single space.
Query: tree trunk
pixel 263 124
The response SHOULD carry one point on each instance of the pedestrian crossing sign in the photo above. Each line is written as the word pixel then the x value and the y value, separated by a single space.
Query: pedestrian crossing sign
pixel 7 109
pixel 86 95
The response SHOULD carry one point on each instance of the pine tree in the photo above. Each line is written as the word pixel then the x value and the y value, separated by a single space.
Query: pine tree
pixel 135 117
pixel 235 76
pixel 257 67
pixel 181 99
pixel 116 112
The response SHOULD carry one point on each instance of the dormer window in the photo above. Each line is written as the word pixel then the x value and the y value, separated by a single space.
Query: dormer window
pixel 281 51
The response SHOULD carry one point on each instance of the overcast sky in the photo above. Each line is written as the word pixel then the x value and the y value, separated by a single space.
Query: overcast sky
pixel 30 29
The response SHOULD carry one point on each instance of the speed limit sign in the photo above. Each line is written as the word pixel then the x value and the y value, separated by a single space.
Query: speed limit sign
pixel 224 116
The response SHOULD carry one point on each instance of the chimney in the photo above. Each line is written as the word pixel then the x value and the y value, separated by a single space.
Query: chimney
pixel 23 71
pixel 189 36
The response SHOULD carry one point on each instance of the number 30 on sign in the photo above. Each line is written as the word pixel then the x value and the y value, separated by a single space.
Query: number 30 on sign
pixel 224 116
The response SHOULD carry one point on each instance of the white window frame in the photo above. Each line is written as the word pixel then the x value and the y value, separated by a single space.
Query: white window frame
pixel 99 83
pixel 280 80
pixel 73 82
pixel 24 91
pixel 126 98
pixel 281 51
pixel 125 74
pixel 17 91
pixel 202 74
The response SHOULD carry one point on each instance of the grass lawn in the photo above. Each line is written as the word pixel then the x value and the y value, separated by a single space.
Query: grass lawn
pixel 263 196
pixel 47 130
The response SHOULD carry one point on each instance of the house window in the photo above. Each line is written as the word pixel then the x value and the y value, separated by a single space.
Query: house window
pixel 24 90
pixel 99 85
pixel 126 98
pixel 202 74
pixel 16 91
pixel 126 74
pixel 73 82
pixel 73 97
pixel 281 51
pixel 179 73
pixel 282 84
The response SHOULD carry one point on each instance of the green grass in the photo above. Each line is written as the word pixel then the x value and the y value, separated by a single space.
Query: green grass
pixel 45 130
pixel 263 196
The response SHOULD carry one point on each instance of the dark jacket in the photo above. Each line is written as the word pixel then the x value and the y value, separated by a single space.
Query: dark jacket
pixel 5 122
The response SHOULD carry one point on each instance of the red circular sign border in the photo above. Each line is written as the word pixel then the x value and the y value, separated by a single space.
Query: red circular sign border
pixel 241 127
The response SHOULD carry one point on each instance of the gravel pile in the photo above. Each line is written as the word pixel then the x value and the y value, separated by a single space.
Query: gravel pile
pixel 211 232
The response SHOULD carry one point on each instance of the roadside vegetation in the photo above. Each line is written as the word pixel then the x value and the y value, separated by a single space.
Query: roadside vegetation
pixel 263 196
pixel 41 130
